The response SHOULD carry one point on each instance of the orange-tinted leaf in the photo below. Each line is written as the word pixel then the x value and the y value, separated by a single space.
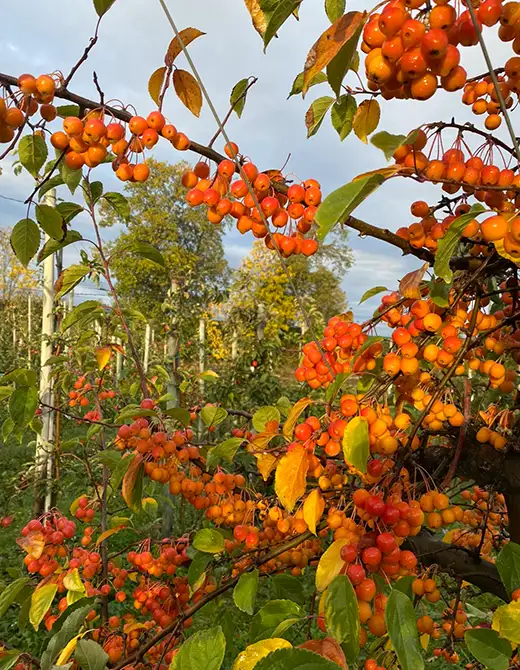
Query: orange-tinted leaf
pixel 329 44
pixel 132 482
pixel 187 36
pixel 33 543
pixel 313 509
pixel 266 463
pixel 103 356
pixel 75 504
pixel 188 90
pixel 328 648
pixel 155 84
pixel 261 440
pixel 257 15
pixel 409 284
pixel 366 118
pixel 292 417
pixel 117 347
pixel 330 564
pixel 108 533
pixel 291 477
pixel 385 172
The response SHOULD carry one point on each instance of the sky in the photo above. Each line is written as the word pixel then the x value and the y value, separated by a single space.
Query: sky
pixel 41 37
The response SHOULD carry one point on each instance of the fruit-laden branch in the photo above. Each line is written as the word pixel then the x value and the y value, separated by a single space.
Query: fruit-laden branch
pixel 457 561
pixel 362 227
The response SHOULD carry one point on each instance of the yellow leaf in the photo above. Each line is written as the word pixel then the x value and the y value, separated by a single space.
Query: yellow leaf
pixel 261 440
pixel 248 658
pixel 257 15
pixel 292 417
pixel 149 505
pixel 130 479
pixel 75 504
pixel 313 509
pixel 41 600
pixel 155 84
pixel 385 172
pixel 425 641
pixel 330 564
pixel 69 649
pixel 448 537
pixel 186 36
pixel 409 284
pixel 329 44
pixel 321 604
pixel 133 576
pixel 356 443
pixel 291 477
pixel 188 90
pixel 506 621
pixel 499 246
pixel 266 463
pixel 366 118
pixel 33 543
pixel 200 581
pixel 103 356
pixel 108 533
pixel 72 581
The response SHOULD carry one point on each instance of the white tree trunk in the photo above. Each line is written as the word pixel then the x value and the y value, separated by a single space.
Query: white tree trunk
pixel 119 360
pixel 202 353
pixel 147 338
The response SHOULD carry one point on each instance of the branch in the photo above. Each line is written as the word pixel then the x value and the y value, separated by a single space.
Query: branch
pixel 458 561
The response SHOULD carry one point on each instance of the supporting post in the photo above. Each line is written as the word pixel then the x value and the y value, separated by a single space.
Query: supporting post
pixel 44 456
pixel 260 324
pixel 119 360
pixel 234 344
pixel 29 326
pixel 147 338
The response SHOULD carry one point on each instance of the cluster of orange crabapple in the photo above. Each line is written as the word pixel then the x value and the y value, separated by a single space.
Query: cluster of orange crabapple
pixel 408 56
pixel 35 93
pixel 291 215
pixel 335 354
pixel 482 94
pixel 484 521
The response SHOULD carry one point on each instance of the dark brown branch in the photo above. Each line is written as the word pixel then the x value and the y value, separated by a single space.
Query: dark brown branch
pixel 469 127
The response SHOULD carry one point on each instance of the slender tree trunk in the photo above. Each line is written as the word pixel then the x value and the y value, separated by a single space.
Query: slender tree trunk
pixel 44 456
pixel 147 338
pixel 234 344
pixel 202 353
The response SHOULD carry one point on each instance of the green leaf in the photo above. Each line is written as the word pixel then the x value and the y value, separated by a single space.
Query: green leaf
pixel 92 191
pixel 7 428
pixel 238 96
pixel 402 630
pixel 508 566
pixel 50 221
pixel 79 312
pixel 90 655
pixel 356 443
pixel 279 16
pixel 297 86
pixel 342 615
pixel 224 451
pixel 270 616
pixel 67 110
pixel 404 584
pixel 387 142
pixel 198 565
pixel 244 593
pixel 489 648
pixel 52 246
pixel 344 60
pixel 212 415
pixel 25 240
pixel 439 293
pixel 316 114
pixel 10 594
pixel 204 650
pixel 33 152
pixel 209 541
pixel 149 252
pixel 119 204
pixel 21 377
pixel 8 659
pixel 372 292
pixel 343 201
pixel 132 412
pixel 41 600
pixel 22 405
pixel 66 628
pixel 264 415
pixel 334 9
pixel 295 659
pixel 71 277
pixel 71 178
pixel 447 245
pixel 53 182
pixel 289 588
pixel 5 392
pixel 209 376
pixel 342 115
pixel 333 388
pixel 120 471
pixel 102 6
pixel 69 210
pixel 179 414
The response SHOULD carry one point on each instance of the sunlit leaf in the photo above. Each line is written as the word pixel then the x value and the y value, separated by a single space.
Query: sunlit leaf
pixel 204 650
pixel 281 12
pixel 293 416
pixel 244 593
pixel 409 284
pixel 356 443
pixel 297 86
pixel 155 84
pixel 103 356
pixel 488 648
pixel 185 37
pixel 238 96
pixel 387 142
pixel 32 151
pixel 70 278
pixel 25 240
pixel 22 405
pixel 133 483
pixel 316 113
pixel 330 564
pixel 313 508
pixel 342 115
pixel 291 476
pixel 251 655
pixel 270 616
pixel 209 541
pixel 401 623
pixel 263 416
pixel 51 221
pixel 506 621
pixel 188 90
pixel 41 600
pixel 366 119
